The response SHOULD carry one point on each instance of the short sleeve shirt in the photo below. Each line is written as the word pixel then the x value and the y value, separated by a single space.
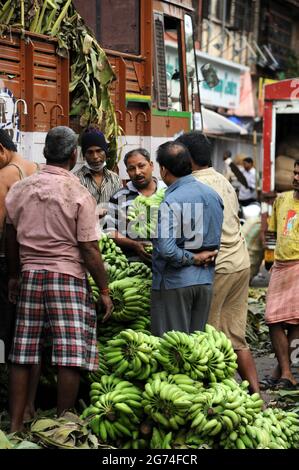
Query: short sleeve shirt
pixel 285 222
pixel 51 213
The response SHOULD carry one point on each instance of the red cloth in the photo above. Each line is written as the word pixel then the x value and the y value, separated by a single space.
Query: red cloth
pixel 282 297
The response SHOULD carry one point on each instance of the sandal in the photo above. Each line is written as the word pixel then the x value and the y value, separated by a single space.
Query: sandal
pixel 268 383
pixel 286 384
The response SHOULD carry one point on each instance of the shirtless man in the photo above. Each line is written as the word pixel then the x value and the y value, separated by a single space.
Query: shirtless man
pixel 13 168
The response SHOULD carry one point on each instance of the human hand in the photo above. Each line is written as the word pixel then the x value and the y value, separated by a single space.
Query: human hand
pixel 204 258
pixel 13 289
pixel 105 299
pixel 101 213
pixel 142 253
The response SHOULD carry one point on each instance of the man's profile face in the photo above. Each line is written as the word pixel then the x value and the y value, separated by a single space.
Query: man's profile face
pixel 296 178
pixel 140 170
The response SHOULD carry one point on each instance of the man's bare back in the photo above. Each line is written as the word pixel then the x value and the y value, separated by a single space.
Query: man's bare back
pixel 15 170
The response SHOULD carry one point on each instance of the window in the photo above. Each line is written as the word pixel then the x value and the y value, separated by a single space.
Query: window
pixel 168 63
pixel 205 9
pixel 223 6
pixel 242 15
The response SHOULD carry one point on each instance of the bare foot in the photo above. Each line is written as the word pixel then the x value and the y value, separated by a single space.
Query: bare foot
pixel 15 427
pixel 29 413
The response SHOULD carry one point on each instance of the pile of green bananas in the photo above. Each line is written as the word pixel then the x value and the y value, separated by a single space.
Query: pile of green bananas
pixel 272 429
pixel 179 352
pixel 143 214
pixel 131 298
pixel 166 404
pixel 131 354
pixel 115 408
pixel 179 389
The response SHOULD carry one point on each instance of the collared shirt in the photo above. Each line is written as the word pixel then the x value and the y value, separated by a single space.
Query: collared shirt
pixel 51 213
pixel 233 254
pixel 250 192
pixel 190 218
pixel 109 185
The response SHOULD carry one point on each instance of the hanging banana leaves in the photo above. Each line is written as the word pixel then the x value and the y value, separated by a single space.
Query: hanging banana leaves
pixel 91 73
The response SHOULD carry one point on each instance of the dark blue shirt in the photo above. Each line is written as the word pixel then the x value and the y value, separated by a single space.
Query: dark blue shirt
pixel 190 220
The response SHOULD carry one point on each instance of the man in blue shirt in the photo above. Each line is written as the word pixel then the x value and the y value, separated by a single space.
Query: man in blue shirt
pixel 187 242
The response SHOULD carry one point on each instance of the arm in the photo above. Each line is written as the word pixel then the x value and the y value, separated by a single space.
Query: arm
pixel 167 246
pixel 93 261
pixel 13 263
pixel 88 246
pixel 3 193
pixel 129 244
pixel 116 224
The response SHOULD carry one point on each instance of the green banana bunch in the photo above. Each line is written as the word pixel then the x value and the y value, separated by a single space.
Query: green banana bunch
pixel 115 261
pixel 166 404
pixel 143 214
pixel 223 408
pixel 138 269
pixel 272 429
pixel 115 408
pixel 179 352
pixel 160 440
pixel 183 381
pixel 224 345
pixel 149 248
pixel 131 298
pixel 94 289
pixel 131 354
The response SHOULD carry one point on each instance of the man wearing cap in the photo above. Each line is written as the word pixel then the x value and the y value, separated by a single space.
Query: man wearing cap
pixel 100 182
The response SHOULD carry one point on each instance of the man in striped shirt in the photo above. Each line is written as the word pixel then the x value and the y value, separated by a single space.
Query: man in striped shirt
pixel 100 182
pixel 140 170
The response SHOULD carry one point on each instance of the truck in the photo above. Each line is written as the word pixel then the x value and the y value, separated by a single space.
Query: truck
pixel 280 149
pixel 151 49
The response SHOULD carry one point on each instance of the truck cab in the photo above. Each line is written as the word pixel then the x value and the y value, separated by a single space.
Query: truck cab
pixel 281 149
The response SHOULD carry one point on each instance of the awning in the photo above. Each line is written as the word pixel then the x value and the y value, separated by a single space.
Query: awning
pixel 215 123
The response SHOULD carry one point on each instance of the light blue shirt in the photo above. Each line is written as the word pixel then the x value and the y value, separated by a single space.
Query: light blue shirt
pixel 190 218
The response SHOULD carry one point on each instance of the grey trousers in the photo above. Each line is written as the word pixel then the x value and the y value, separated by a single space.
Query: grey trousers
pixel 185 309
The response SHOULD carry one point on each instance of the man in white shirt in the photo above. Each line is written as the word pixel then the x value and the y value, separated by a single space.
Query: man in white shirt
pixel 248 195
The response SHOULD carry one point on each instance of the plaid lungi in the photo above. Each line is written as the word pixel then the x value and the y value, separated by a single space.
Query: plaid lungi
pixel 282 296
pixel 64 305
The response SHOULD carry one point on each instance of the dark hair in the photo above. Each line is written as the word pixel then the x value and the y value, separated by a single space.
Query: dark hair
pixel 140 151
pixel 248 160
pixel 296 163
pixel 227 153
pixel 59 145
pixel 175 157
pixel 199 146
pixel 6 141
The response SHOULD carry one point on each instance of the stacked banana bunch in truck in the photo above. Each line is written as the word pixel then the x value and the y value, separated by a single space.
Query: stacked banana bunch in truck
pixel 177 391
